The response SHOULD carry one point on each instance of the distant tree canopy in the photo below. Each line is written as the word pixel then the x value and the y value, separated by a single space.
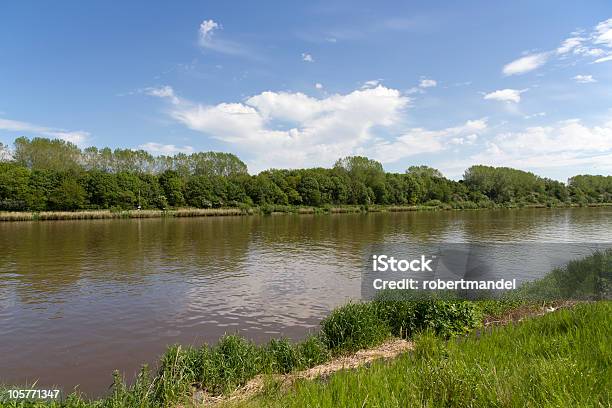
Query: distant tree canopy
pixel 42 174
pixel 424 171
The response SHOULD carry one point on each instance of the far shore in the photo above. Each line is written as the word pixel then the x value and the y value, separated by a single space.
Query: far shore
pixel 263 210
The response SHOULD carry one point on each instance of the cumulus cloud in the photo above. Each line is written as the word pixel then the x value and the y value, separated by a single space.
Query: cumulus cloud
pixel 306 57
pixel 292 129
pixel 78 137
pixel 525 64
pixel 506 95
pixel 428 83
pixel 584 79
pixel 319 85
pixel 165 149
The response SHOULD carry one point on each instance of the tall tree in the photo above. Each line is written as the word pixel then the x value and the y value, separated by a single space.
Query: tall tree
pixel 45 154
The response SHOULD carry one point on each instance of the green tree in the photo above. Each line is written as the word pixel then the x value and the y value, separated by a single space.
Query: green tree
pixel 309 191
pixel 45 154
pixel 172 185
pixel 68 194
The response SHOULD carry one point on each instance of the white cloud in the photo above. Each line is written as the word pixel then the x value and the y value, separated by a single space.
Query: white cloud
pixel 165 149
pixel 307 57
pixel 566 143
pixel 525 64
pixel 428 83
pixel 372 83
pixel 584 79
pixel 603 33
pixel 569 44
pixel 285 129
pixel 604 59
pixel 78 137
pixel 566 136
pixel 596 44
pixel 506 95
pixel 163 92
pixel 535 115
pixel 208 39
pixel 418 141
pixel 319 85
pixel 207 29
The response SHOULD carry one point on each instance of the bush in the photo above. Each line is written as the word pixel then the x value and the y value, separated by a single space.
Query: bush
pixel 443 317
pixel 433 203
pixel 449 318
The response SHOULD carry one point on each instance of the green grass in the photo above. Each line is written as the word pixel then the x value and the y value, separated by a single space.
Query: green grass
pixel 563 359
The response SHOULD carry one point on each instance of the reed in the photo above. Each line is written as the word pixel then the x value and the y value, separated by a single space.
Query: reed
pixel 108 214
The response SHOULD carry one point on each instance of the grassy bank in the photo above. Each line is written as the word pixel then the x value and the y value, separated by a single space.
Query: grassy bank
pixel 228 365
pixel 235 211
pixel 561 359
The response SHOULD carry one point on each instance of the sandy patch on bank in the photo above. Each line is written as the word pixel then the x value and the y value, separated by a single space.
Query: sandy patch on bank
pixel 387 350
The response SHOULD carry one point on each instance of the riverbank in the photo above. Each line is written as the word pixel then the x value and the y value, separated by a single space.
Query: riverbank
pixel 559 359
pixel 235 211
pixel 211 372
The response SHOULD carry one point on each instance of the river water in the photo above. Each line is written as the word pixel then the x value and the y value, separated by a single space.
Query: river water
pixel 79 299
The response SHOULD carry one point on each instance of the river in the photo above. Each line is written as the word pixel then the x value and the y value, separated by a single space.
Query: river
pixel 79 299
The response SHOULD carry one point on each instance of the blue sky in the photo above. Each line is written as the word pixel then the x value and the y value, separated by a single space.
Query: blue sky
pixel 522 84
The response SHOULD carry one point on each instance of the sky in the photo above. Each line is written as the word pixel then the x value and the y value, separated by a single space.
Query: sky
pixel 283 84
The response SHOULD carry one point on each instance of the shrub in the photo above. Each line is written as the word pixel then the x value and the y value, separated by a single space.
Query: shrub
pixel 433 203
pixel 449 318
pixel 444 317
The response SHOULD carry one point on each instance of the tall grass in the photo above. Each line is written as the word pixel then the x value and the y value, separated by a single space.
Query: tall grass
pixel 563 359
pixel 353 327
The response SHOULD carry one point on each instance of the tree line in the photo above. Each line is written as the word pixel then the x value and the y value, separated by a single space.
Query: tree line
pixel 43 174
